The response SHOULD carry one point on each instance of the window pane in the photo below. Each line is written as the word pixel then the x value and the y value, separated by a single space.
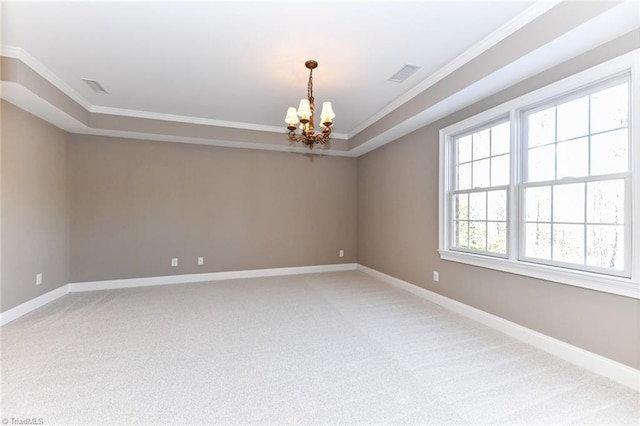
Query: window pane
pixel 542 127
pixel 464 149
pixel 481 174
pixel 478 235
pixel 538 204
pixel 500 139
pixel 541 163
pixel 497 205
pixel 497 237
pixel 573 119
pixel 609 152
pixel 462 234
pixel 500 170
pixel 464 176
pixel 538 240
pixel 478 206
pixel 568 243
pixel 573 158
pixel 461 202
pixel 605 246
pixel 610 108
pixel 605 202
pixel 568 203
pixel 481 144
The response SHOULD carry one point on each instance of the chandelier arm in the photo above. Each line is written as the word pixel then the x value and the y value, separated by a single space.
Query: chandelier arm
pixel 310 140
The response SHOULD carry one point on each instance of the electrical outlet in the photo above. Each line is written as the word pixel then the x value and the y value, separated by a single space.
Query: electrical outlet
pixel 201 261
pixel 436 276
pixel 341 254
pixel 174 261
pixel 39 278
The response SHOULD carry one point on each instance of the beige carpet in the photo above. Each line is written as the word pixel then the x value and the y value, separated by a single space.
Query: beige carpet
pixel 333 348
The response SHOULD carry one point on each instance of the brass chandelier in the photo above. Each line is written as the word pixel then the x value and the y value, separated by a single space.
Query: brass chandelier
pixel 304 116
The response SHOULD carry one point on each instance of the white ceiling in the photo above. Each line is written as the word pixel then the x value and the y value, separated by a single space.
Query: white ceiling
pixel 243 61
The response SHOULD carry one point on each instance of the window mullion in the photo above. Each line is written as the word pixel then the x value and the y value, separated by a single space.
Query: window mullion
pixel 589 135
pixel 513 197
pixel 633 183
pixel 453 184
pixel 584 226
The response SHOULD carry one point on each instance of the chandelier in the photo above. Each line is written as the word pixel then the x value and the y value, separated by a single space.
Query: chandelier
pixel 304 116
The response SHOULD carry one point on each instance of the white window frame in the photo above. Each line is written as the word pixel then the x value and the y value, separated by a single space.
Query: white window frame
pixel 452 177
pixel 626 286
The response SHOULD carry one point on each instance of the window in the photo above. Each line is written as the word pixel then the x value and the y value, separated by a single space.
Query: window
pixel 577 171
pixel 546 185
pixel 481 185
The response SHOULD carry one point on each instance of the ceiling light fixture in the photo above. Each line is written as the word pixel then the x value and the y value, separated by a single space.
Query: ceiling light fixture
pixel 305 113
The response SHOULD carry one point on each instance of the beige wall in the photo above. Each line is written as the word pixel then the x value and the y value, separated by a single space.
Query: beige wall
pixel 398 235
pixel 136 204
pixel 35 207
pixel 83 208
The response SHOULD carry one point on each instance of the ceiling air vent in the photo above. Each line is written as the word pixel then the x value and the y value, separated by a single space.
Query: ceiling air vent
pixel 95 86
pixel 404 73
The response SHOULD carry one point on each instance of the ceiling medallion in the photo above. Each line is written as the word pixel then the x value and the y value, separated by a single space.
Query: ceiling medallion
pixel 305 112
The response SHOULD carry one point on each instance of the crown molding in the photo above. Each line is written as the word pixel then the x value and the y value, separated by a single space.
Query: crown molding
pixel 519 21
pixel 25 57
pixel 215 142
pixel 25 99
pixel 44 72
pixel 194 120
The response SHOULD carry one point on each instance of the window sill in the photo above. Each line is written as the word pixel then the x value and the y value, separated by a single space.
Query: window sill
pixel 608 284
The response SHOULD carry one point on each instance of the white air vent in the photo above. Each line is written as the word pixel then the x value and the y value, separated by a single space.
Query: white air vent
pixel 95 86
pixel 404 73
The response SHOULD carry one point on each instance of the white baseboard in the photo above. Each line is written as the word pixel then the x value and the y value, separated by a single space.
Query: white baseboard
pixel 211 276
pixel 33 304
pixel 598 364
pixel 25 308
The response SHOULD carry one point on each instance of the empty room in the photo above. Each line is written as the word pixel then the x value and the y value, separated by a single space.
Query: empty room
pixel 306 212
